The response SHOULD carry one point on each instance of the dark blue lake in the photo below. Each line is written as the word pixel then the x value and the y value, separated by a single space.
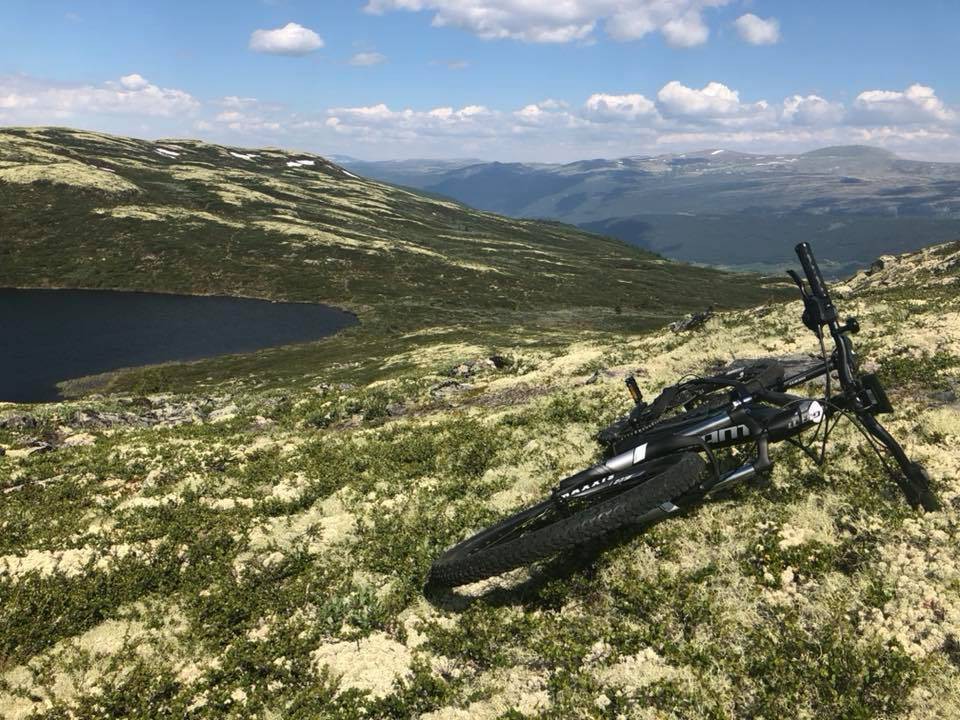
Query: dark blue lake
pixel 52 335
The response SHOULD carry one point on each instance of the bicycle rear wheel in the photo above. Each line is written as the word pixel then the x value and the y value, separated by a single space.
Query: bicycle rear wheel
pixel 553 526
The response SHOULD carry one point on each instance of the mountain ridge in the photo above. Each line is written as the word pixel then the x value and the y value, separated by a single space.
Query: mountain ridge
pixel 726 208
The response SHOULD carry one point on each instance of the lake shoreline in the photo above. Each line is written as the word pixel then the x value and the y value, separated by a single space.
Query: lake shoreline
pixel 67 342
pixel 337 305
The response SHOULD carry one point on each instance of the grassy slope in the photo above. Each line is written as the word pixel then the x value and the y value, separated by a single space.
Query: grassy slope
pixel 207 221
pixel 270 564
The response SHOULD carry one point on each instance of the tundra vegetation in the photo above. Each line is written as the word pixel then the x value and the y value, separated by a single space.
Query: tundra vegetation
pixel 249 537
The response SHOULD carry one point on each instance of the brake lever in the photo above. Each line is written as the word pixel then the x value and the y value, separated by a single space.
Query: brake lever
pixel 799 282
pixel 810 307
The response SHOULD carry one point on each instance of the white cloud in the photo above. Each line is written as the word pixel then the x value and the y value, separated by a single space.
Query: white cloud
pixel 379 122
pixel 247 115
pixel 234 101
pixel 915 122
pixel 366 59
pixel 677 118
pixel 916 104
pixel 134 82
pixel 758 31
pixel 714 102
pixel 246 123
pixel 30 100
pixel 547 113
pixel 811 110
pixel 291 39
pixel 686 31
pixel 559 21
pixel 936 139
pixel 532 113
pixel 607 108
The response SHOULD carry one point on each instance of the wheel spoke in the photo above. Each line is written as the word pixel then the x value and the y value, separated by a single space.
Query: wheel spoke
pixel 514 531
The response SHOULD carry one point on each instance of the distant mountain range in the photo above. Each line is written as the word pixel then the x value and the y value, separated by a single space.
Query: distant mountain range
pixel 718 207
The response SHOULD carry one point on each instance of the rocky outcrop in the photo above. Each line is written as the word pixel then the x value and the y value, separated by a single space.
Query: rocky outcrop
pixel 477 365
pixel 18 421
pixel 692 322
pixel 935 265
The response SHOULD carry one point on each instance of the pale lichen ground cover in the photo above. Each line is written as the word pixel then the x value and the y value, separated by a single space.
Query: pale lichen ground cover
pixel 262 554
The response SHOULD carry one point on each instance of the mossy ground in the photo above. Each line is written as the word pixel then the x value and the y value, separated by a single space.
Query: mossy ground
pixel 268 558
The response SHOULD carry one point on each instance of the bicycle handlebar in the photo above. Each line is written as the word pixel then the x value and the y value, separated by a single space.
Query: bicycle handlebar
pixel 817 286
pixel 819 309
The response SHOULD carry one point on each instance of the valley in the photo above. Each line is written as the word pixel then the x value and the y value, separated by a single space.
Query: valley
pixel 718 207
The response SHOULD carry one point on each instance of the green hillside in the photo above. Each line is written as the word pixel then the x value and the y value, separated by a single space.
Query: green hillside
pixel 86 210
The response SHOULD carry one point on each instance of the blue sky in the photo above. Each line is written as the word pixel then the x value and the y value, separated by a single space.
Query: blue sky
pixel 545 80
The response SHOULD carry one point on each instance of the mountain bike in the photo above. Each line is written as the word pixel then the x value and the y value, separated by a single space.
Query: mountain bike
pixel 659 459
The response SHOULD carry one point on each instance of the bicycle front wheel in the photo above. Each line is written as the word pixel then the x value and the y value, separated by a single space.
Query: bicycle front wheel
pixel 553 526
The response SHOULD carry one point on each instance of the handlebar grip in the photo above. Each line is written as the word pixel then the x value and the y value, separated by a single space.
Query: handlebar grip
pixel 817 286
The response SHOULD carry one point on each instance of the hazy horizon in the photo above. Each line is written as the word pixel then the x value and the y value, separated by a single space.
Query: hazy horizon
pixel 503 80
pixel 334 156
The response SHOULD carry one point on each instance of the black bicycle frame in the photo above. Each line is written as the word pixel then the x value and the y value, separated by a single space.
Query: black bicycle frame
pixel 744 422
pixel 779 416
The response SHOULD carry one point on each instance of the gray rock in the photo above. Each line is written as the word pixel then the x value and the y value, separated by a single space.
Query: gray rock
pixel 79 439
pixel 595 377
pixel 945 396
pixel 223 414
pixel 448 388
pixel 354 421
pixel 396 409
pixel 159 411
pixel 462 370
pixel 39 446
pixel 18 421
pixel 605 373
pixel 467 368
pixel 96 420
pixel 693 322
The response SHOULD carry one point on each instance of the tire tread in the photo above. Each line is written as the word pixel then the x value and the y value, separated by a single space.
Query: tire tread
pixel 459 567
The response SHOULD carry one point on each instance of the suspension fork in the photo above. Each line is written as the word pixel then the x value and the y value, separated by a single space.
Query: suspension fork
pixel 914 482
